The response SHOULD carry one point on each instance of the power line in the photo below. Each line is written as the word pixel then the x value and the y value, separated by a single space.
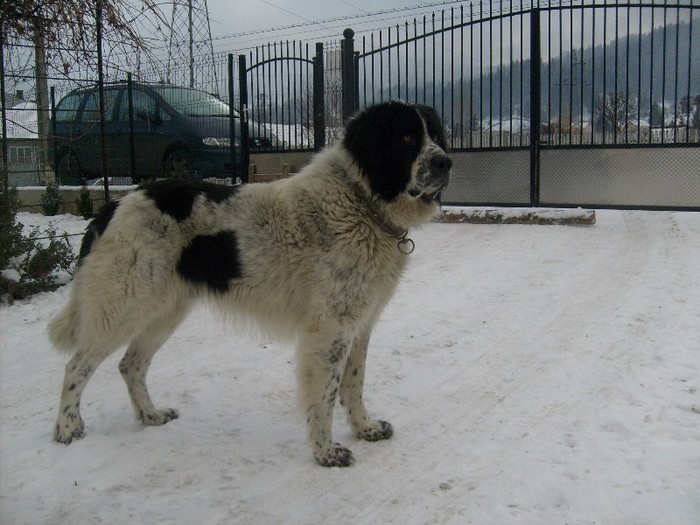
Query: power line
pixel 285 10
pixel 345 18
pixel 354 6
pixel 308 34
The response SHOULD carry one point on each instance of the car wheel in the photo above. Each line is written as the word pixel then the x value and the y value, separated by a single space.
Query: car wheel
pixel 69 172
pixel 178 165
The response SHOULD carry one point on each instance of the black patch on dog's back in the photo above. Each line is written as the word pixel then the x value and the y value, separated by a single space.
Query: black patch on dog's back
pixel 176 197
pixel 212 260
pixel 385 141
pixel 97 227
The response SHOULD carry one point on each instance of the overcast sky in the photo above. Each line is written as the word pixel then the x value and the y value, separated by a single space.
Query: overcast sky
pixel 246 23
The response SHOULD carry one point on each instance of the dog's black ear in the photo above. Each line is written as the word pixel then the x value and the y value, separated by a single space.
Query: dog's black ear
pixel 436 129
pixel 384 140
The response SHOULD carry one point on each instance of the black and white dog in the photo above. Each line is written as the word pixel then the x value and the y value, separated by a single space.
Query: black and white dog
pixel 314 258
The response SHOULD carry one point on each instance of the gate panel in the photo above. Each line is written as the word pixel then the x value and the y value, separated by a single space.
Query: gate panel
pixel 602 98
pixel 489 177
pixel 640 177
pixel 281 100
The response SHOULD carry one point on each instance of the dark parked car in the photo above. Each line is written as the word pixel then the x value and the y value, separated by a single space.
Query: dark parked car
pixel 178 132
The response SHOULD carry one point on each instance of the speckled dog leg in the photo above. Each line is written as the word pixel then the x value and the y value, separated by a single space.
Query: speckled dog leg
pixel 351 389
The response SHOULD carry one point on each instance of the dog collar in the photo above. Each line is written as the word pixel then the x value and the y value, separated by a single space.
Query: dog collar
pixel 405 244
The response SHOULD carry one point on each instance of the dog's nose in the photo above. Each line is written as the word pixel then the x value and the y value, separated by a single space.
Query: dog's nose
pixel 440 163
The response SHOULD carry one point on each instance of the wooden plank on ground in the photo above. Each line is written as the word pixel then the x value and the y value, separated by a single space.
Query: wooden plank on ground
pixel 563 216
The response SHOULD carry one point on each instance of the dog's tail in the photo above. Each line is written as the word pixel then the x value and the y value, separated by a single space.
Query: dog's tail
pixel 62 328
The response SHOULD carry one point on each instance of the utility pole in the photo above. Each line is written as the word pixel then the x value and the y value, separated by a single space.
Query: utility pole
pixel 190 50
pixel 42 96
pixel 101 91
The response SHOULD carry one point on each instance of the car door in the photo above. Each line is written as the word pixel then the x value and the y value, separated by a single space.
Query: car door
pixel 64 120
pixel 148 136
pixel 87 143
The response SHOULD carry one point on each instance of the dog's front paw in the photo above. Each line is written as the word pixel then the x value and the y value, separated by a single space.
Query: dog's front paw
pixel 66 432
pixel 159 417
pixel 334 456
pixel 376 431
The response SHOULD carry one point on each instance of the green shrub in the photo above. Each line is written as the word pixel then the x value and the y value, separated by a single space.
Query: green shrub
pixel 12 242
pixel 84 203
pixel 29 262
pixel 51 199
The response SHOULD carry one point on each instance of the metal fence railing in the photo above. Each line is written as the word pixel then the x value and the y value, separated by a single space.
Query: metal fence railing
pixel 604 72
pixel 527 76
pixel 540 78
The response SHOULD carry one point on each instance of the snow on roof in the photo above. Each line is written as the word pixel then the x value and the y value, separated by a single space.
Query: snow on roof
pixel 512 125
pixel 22 121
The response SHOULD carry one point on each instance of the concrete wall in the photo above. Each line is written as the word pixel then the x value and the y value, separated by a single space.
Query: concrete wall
pixel 30 197
pixel 272 162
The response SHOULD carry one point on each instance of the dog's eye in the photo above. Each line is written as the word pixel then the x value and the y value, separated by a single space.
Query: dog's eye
pixel 409 139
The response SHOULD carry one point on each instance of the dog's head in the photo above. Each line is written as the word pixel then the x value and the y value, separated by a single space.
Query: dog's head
pixel 400 150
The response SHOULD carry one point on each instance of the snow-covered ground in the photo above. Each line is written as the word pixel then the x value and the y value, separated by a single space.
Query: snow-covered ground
pixel 533 374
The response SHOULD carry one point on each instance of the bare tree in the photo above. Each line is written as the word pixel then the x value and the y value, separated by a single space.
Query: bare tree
pixel 68 29
pixel 614 111
pixel 65 33
pixel 334 109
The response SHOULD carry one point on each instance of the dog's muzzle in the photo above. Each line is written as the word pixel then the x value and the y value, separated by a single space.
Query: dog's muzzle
pixel 436 178
pixel 440 167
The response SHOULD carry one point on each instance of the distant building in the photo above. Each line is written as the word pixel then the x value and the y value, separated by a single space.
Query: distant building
pixel 513 125
pixel 23 146
pixel 22 121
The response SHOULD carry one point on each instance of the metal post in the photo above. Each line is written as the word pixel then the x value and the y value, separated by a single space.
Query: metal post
pixel 356 80
pixel 101 96
pixel 319 106
pixel 3 116
pixel 191 41
pixel 245 156
pixel 54 141
pixel 535 109
pixel 349 75
pixel 42 96
pixel 132 141
pixel 231 121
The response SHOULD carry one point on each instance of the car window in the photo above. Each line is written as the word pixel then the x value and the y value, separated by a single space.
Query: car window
pixel 144 105
pixel 91 109
pixel 193 102
pixel 67 109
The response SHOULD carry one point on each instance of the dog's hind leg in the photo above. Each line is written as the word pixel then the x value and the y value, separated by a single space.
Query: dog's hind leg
pixel 134 366
pixel 69 425
pixel 351 388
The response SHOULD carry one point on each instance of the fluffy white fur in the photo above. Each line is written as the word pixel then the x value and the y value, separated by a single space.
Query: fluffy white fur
pixel 319 261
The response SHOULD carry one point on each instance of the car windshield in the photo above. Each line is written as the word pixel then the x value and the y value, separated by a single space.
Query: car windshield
pixel 193 102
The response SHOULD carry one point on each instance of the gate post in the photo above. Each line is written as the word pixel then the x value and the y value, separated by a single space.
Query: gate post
pixel 231 122
pixel 535 106
pixel 349 75
pixel 319 104
pixel 245 152
pixel 132 139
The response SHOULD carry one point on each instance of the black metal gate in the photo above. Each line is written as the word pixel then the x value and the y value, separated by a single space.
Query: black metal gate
pixel 281 100
pixel 550 103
